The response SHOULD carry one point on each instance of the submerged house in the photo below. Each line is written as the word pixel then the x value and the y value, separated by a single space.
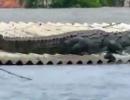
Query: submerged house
pixel 25 3
pixel 9 4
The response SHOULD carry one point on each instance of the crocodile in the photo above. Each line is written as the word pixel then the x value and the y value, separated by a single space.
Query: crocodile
pixel 75 42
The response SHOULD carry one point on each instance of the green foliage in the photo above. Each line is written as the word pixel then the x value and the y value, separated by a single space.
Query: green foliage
pixel 70 3
pixel 76 3
pixel 63 3
pixel 73 3
pixel 89 3
pixel 107 2
pixel 57 3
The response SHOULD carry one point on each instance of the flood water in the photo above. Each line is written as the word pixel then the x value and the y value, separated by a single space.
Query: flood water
pixel 106 82
pixel 89 15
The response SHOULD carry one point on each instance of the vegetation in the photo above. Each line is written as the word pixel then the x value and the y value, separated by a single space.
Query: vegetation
pixel 72 3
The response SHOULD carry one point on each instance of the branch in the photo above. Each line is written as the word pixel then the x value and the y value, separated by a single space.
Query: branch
pixel 19 76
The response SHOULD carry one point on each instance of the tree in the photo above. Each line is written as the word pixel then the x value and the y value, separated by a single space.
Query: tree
pixel 108 2
pixel 89 3
pixel 30 3
pixel 57 3
pixel 75 3
pixel 127 3
pixel 118 2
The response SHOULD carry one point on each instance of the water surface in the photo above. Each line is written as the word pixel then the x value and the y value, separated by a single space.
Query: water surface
pixel 107 82
pixel 81 15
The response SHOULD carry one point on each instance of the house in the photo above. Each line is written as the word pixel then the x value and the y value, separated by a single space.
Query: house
pixel 9 4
